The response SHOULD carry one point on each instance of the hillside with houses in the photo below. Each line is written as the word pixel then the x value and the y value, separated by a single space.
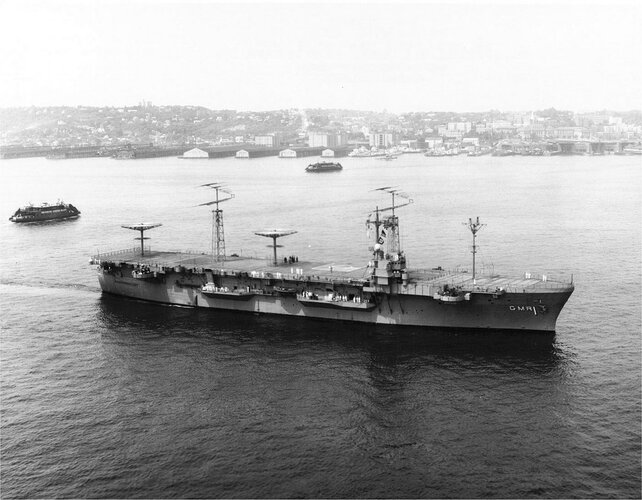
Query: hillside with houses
pixel 437 132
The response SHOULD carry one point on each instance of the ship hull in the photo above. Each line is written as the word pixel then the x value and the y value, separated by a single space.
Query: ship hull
pixel 537 311
pixel 43 218
pixel 45 213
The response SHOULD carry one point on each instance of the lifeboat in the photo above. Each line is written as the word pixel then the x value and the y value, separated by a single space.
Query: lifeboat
pixel 312 300
pixel 450 295
pixel 143 273
pixel 223 292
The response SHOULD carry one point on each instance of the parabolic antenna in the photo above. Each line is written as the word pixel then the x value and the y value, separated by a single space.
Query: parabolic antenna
pixel 274 234
pixel 142 227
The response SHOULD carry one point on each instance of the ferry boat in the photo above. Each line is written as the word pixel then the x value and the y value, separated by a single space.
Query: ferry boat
pixel 380 290
pixel 323 166
pixel 45 212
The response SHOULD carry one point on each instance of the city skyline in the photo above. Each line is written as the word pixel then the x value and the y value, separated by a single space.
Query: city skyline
pixel 419 56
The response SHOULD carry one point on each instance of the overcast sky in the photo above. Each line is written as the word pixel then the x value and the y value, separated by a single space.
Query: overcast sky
pixel 420 56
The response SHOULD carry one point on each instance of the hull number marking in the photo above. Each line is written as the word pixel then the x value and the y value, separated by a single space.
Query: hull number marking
pixel 532 309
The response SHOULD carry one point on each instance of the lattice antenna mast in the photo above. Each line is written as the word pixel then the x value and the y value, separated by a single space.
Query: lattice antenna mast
pixel 390 223
pixel 474 227
pixel 218 233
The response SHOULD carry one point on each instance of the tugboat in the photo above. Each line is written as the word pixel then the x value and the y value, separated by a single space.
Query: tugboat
pixel 323 166
pixel 381 291
pixel 44 212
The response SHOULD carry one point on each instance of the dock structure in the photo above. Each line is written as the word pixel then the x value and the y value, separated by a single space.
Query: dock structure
pixel 139 151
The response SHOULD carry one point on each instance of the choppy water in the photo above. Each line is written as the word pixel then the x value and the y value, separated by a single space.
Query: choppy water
pixel 104 397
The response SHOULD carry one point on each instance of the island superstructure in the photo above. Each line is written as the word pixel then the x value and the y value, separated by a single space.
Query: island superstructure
pixel 381 290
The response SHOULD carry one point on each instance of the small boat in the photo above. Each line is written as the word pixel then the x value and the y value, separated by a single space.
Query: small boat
pixel 222 292
pixel 44 212
pixel 450 295
pixel 312 300
pixel 323 166
pixel 143 273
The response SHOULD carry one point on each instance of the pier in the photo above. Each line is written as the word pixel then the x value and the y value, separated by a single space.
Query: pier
pixel 139 151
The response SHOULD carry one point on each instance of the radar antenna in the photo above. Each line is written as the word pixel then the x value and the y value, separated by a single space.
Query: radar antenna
pixel 474 227
pixel 142 227
pixel 390 223
pixel 274 234
pixel 218 234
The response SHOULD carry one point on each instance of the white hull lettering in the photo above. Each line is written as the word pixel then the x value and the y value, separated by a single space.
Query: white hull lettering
pixel 532 309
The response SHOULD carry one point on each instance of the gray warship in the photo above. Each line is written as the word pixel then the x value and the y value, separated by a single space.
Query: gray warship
pixel 382 290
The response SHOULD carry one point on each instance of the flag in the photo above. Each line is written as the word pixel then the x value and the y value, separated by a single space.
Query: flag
pixel 383 233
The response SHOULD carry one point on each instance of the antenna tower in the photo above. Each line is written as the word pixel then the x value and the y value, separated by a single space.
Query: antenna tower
pixel 218 234
pixel 390 223
pixel 474 227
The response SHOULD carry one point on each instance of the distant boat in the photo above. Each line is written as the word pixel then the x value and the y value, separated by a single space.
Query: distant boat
pixel 323 166
pixel 45 212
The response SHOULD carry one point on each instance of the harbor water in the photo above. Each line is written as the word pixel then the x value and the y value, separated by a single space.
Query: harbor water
pixel 103 397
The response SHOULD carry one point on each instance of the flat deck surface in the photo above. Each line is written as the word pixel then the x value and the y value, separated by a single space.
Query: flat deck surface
pixel 329 271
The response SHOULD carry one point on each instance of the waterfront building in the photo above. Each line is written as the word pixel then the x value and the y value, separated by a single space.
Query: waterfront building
pixel 566 132
pixel 434 142
pixel 410 143
pixel 269 140
pixel 287 153
pixel 242 154
pixel 324 140
pixel 534 130
pixel 383 140
pixel 463 127
pixel 195 153
pixel 327 153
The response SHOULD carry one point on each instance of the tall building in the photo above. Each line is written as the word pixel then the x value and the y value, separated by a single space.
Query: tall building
pixel 383 139
pixel 464 127
pixel 270 140
pixel 325 140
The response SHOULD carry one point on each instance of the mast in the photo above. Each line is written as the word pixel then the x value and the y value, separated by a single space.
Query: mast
pixel 390 224
pixel 142 228
pixel 274 234
pixel 218 234
pixel 474 227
